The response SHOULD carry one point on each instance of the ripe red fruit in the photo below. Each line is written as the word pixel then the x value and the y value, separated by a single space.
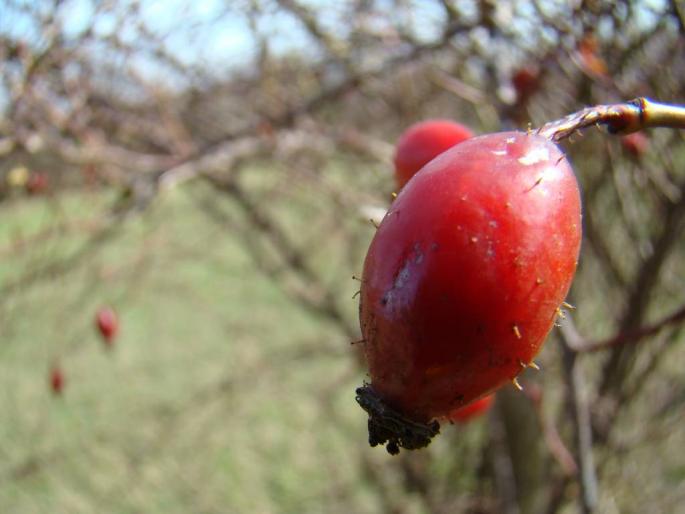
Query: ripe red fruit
pixel 107 324
pixel 635 144
pixel 472 410
pixel 422 142
pixel 463 280
pixel 56 380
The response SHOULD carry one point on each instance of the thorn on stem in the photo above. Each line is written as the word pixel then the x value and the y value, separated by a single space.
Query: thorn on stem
pixel 516 384
pixel 517 331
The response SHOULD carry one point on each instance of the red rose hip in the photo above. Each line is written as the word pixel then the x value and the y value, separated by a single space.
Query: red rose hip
pixel 635 144
pixel 56 380
pixel 107 324
pixel 422 142
pixel 463 280
pixel 526 82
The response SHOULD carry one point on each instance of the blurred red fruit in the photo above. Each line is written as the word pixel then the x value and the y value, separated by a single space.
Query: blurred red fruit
pixel 422 142
pixel 107 324
pixel 37 183
pixel 56 380
pixel 588 55
pixel 473 410
pixel 526 82
pixel 635 144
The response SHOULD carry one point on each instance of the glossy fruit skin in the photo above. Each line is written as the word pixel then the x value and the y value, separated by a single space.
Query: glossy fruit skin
pixel 422 142
pixel 472 411
pixel 107 324
pixel 464 276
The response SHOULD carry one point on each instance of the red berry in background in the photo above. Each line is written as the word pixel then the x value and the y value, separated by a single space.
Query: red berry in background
pixel 422 142
pixel 37 183
pixel 635 144
pixel 589 57
pixel 107 324
pixel 56 380
pixel 463 279
pixel 472 410
pixel 526 82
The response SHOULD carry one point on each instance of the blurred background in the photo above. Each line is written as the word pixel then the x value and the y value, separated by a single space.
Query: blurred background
pixel 207 170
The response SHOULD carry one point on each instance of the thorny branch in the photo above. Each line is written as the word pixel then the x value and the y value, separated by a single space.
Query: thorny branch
pixel 580 345
pixel 624 118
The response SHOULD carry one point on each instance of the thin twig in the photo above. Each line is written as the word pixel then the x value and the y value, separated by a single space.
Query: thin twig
pixel 632 336
pixel 622 118
pixel 580 414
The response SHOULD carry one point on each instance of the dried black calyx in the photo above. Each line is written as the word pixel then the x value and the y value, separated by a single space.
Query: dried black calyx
pixel 389 427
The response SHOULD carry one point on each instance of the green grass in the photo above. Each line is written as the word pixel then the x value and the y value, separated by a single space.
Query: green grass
pixel 221 395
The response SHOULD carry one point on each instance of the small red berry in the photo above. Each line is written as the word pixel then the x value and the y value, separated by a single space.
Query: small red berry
pixel 635 144
pixel 589 56
pixel 472 410
pixel 526 82
pixel 56 380
pixel 107 324
pixel 422 142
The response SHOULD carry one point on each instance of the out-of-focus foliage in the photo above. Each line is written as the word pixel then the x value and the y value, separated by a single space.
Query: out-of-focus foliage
pixel 210 169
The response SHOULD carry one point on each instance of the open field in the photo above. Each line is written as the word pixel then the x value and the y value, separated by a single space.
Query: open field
pixel 222 394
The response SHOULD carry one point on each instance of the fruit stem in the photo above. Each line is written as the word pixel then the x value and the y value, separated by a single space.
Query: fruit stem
pixel 663 115
pixel 623 118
